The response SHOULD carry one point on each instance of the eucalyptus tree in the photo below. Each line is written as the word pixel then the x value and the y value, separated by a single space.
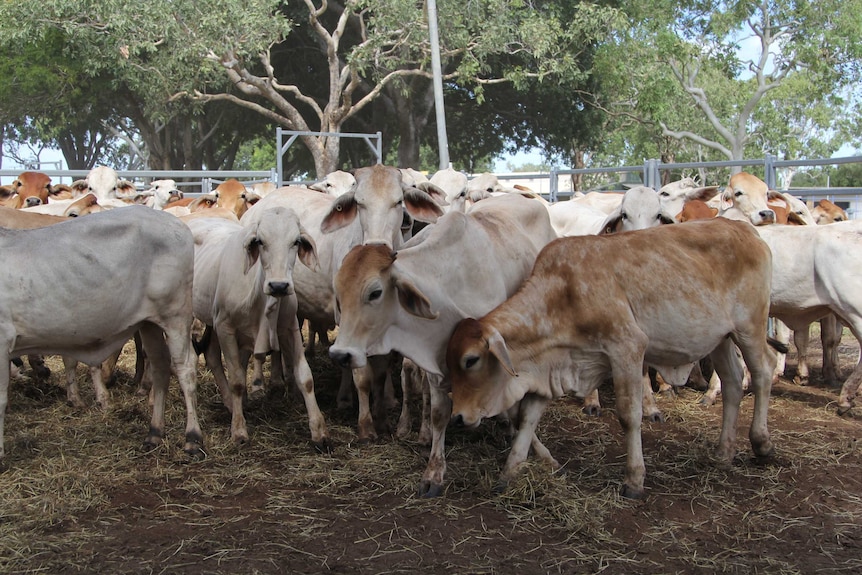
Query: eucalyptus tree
pixel 735 60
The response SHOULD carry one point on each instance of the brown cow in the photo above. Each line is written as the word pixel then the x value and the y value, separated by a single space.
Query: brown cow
pixel 604 306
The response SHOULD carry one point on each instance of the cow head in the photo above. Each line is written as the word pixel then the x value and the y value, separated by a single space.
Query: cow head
pixel 826 212
pixel 33 189
pixel 484 381
pixel 379 199
pixel 84 205
pixel 275 240
pixel 640 209
pixel 749 195
pixel 673 196
pixel 369 290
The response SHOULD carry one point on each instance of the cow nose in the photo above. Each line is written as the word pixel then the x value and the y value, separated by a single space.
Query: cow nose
pixel 278 289
pixel 767 215
pixel 342 358
pixel 458 420
pixel 33 201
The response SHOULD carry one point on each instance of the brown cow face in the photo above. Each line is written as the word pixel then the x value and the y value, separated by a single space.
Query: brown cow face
pixel 484 383
pixel 33 189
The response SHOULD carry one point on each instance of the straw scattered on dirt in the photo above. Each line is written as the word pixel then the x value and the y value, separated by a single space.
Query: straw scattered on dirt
pixel 80 496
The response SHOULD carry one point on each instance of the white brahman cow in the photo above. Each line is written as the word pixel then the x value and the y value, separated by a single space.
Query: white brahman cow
pixel 243 288
pixel 151 291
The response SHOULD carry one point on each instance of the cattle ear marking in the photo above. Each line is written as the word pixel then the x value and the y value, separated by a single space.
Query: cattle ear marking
pixel 497 347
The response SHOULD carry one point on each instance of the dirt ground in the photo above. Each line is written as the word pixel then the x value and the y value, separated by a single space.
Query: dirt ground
pixel 80 496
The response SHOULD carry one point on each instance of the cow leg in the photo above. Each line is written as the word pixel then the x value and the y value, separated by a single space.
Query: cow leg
pixel 183 361
pixel 800 340
pixel 212 357
pixel 409 382
pixel 103 396
pixel 728 370
pixel 109 367
pixel 712 390
pixel 363 378
pixel 651 412
pixel 853 381
pixel 141 381
pixel 782 334
pixel 431 484
pixel 592 406
pixel 831 330
pixel 760 363
pixel 425 431
pixel 381 387
pixel 5 362
pixel 236 377
pixel 290 341
pixel 73 391
pixel 153 342
pixel 696 379
pixel 628 388
pixel 530 410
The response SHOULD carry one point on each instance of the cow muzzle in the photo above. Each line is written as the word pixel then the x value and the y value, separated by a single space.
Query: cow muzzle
pixel 279 289
pixel 33 201
pixel 347 358
pixel 460 421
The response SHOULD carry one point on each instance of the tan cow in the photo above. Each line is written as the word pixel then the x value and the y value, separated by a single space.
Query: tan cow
pixel 826 212
pixel 603 306
pixel 233 195
pixel 30 189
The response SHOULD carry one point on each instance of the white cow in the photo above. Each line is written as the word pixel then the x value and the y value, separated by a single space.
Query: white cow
pixel 399 302
pixel 675 195
pixel 161 193
pixel 639 209
pixel 373 212
pixel 571 218
pixel 243 288
pixel 335 183
pixel 88 321
pixel 104 183
pixel 451 181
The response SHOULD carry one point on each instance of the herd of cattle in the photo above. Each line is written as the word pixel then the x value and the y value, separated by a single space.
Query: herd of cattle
pixel 497 300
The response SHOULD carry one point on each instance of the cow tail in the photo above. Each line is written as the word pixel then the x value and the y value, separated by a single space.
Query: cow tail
pixel 777 345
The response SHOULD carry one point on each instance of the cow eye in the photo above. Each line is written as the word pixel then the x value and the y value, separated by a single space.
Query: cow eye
pixel 665 194
pixel 738 194
pixel 375 295
pixel 470 361
pixel 624 216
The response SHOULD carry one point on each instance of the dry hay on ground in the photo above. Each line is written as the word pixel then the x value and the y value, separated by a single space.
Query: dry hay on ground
pixel 79 496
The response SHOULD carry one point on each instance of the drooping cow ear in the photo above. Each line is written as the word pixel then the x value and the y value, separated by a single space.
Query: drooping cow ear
pixel 726 198
pixel 307 251
pixel 497 347
pixel 342 213
pixel 412 299
pixel 251 243
pixel 421 206
pixel 612 222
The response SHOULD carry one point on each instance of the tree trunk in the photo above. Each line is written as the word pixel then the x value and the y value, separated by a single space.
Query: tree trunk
pixel 577 158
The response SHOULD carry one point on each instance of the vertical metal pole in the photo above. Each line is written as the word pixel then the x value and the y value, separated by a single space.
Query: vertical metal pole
pixel 442 139
pixel 279 161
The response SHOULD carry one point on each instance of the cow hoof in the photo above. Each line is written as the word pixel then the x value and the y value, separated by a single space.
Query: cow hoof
pixel 707 401
pixel 846 410
pixel 592 410
pixel 428 490
pixel 630 492
pixel 657 417
pixel 500 487
pixel 322 447
pixel 797 380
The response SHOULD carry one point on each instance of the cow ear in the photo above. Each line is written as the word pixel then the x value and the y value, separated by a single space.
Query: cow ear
pixel 665 219
pixel 307 251
pixel 6 192
pixel 412 299
pixel 497 347
pixel 421 206
pixel 437 193
pixel 60 192
pixel 126 188
pixel 613 222
pixel 251 244
pixel 79 187
pixel 342 213
pixel 726 199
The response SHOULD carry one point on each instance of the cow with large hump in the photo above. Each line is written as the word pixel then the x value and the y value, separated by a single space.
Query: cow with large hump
pixel 602 306
pixel 152 292
pixel 401 302
pixel 244 290
pixel 373 212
